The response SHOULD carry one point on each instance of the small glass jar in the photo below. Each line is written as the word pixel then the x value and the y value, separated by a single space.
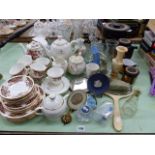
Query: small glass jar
pixel 130 74
pixel 130 105
pixel 84 114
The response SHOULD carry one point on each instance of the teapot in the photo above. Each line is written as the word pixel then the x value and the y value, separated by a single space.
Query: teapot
pixel 35 50
pixel 60 47
pixel 76 65
pixel 53 107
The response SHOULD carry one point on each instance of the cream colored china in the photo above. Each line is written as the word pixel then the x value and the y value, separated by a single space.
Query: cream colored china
pixel 79 45
pixel 25 114
pixel 55 74
pixel 37 69
pixel 76 65
pixel 43 60
pixel 35 49
pixel 53 107
pixel 59 48
pixel 18 69
pixel 50 87
pixel 91 69
pixel 60 62
pixel 26 60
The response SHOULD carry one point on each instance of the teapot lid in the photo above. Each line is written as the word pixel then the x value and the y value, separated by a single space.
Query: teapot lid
pixel 53 102
pixel 34 45
pixel 60 41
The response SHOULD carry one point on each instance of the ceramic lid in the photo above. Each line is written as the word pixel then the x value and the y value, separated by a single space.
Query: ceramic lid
pixel 76 59
pixel 60 41
pixel 34 45
pixel 55 72
pixel 17 68
pixel 53 102
pixel 38 67
pixel 128 62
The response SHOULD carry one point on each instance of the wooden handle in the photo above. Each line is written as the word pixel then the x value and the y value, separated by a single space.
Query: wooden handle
pixel 117 121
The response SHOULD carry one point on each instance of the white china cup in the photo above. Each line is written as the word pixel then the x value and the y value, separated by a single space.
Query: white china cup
pixel 37 69
pixel 55 74
pixel 91 69
pixel 17 69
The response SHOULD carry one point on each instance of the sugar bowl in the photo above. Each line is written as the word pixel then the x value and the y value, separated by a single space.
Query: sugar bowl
pixel 53 107
pixel 76 65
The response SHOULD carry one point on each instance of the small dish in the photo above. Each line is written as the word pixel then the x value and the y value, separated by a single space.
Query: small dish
pixel 77 99
pixel 79 84
pixel 98 84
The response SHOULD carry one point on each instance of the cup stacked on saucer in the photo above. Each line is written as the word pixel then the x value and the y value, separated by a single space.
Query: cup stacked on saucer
pixel 55 82
pixel 19 98
pixel 38 69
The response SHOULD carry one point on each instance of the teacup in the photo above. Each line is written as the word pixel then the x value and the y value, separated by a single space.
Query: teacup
pixel 26 60
pixel 60 62
pixel 91 69
pixel 55 74
pixel 43 60
pixel 37 70
pixel 18 69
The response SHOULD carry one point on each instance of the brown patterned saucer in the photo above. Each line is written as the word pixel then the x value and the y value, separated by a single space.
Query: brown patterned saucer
pixel 23 107
pixel 20 118
pixel 16 87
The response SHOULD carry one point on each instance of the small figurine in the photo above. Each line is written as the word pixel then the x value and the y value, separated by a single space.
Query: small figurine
pixel 66 119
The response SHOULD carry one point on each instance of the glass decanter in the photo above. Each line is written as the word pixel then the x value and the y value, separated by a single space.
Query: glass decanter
pixel 130 105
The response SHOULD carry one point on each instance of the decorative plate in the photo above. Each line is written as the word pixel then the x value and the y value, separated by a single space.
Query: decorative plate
pixel 77 99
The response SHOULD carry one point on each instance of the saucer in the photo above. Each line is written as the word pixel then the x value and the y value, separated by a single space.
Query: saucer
pixel 56 89
pixel 16 87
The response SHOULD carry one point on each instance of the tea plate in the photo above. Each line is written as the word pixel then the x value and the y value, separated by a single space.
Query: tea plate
pixel 49 88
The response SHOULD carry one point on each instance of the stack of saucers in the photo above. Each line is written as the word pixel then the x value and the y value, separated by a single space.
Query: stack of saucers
pixel 19 98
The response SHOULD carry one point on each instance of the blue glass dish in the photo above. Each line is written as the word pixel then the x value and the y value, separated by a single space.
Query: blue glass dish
pixel 98 84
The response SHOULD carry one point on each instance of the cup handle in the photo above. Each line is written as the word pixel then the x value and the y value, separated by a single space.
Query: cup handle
pixel 37 111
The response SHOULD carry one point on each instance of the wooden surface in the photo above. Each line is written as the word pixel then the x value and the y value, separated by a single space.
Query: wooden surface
pixel 28 35
pixel 134 40
pixel 25 37
pixel 151 25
